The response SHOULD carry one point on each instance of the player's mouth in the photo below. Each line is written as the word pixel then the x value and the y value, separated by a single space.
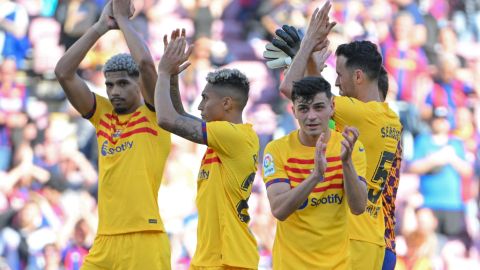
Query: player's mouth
pixel 312 126
pixel 117 100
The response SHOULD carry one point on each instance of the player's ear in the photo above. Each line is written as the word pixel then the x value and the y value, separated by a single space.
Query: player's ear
pixel 227 103
pixel 294 111
pixel 358 76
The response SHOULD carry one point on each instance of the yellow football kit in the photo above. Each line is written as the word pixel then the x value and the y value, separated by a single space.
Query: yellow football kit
pixel 316 235
pixel 224 185
pixel 132 151
pixel 129 251
pixel 380 131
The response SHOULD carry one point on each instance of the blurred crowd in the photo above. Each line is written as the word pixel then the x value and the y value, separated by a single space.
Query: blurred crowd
pixel 48 153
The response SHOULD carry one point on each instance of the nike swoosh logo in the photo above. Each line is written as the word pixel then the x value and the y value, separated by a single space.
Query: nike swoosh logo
pixel 361 149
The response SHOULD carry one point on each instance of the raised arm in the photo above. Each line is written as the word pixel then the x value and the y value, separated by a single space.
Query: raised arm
pixel 355 188
pixel 284 200
pixel 186 126
pixel 122 11
pixel 75 88
pixel 314 40
pixel 174 89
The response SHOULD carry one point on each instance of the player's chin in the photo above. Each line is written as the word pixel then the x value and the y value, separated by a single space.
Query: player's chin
pixel 314 132
pixel 120 109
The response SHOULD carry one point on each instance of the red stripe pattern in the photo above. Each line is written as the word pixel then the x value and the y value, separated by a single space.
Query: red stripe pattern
pixel 210 157
pixel 130 127
pixel 298 169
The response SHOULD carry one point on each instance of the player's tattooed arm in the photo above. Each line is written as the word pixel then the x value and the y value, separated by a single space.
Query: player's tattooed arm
pixel 175 95
pixel 189 128
pixel 181 124
pixel 177 99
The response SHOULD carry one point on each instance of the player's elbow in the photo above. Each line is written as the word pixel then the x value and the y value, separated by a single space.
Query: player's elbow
pixel 358 210
pixel 280 217
pixel 164 122
pixel 279 214
pixel 358 207
pixel 284 89
pixel 60 72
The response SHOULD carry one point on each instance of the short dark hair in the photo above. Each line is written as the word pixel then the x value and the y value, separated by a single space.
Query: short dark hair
pixel 383 82
pixel 231 79
pixel 307 88
pixel 363 55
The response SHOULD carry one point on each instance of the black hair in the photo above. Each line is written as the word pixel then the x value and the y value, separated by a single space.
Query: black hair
pixel 363 55
pixel 383 82
pixel 307 88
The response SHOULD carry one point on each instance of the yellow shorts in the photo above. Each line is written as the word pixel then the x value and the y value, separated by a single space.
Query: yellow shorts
pixel 217 268
pixel 192 267
pixel 130 251
pixel 366 256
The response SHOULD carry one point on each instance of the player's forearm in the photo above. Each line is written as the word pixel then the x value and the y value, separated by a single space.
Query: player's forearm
pixel 165 111
pixel 142 57
pixel 355 189
pixel 312 68
pixel 68 64
pixel 297 69
pixel 284 204
pixel 175 95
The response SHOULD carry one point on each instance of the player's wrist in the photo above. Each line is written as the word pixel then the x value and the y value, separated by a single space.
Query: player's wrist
pixel 318 176
pixel 165 72
pixel 121 18
pixel 306 48
pixel 100 28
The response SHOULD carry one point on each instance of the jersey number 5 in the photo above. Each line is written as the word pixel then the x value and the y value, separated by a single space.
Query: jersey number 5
pixel 242 205
pixel 380 175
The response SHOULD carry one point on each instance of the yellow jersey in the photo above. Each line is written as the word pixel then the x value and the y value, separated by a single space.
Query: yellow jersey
pixel 223 188
pixel 132 150
pixel 316 235
pixel 380 131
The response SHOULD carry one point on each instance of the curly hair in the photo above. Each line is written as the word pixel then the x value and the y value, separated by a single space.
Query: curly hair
pixel 307 88
pixel 231 79
pixel 122 62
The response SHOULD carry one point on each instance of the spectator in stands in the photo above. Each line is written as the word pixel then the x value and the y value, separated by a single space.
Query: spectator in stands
pixel 440 161
pixel 13 31
pixel 13 97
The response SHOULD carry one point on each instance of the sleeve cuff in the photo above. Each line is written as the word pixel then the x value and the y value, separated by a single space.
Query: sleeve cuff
pixel 362 179
pixel 150 107
pixel 277 180
pixel 92 111
pixel 204 133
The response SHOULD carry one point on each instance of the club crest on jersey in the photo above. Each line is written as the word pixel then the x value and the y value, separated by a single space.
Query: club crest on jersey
pixel 117 134
pixel 268 165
